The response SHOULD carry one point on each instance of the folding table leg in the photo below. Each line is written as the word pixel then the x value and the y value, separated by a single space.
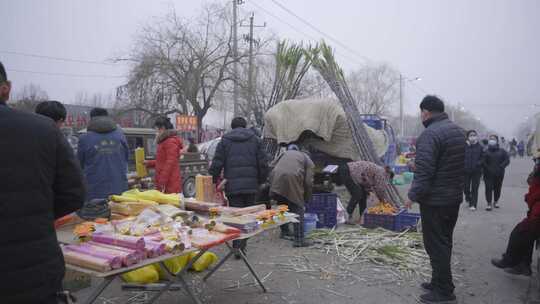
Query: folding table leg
pixel 99 289
pixel 244 258
pixel 214 269
pixel 179 277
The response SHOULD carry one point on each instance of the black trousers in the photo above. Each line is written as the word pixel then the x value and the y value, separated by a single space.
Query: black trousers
pixel 298 228
pixel 240 201
pixel 358 193
pixel 493 187
pixel 520 247
pixel 472 183
pixel 438 225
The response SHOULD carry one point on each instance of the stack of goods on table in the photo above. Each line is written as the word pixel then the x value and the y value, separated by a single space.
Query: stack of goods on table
pixel 204 188
pixel 386 215
pixel 157 230
pixel 148 224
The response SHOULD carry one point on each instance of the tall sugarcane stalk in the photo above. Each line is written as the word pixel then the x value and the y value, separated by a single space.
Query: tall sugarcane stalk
pixel 323 60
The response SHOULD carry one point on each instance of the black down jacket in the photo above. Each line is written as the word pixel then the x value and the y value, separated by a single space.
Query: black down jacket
pixel 241 156
pixel 440 164
pixel 42 181
pixel 474 157
pixel 495 162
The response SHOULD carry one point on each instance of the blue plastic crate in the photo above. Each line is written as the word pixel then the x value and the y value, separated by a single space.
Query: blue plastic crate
pixel 326 218
pixel 325 206
pixel 322 201
pixel 406 220
pixel 380 220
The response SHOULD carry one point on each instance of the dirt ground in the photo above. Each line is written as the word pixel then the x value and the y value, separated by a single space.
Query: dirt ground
pixel 479 236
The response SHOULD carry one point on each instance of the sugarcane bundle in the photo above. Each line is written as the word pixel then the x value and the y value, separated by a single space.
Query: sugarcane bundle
pixel 323 60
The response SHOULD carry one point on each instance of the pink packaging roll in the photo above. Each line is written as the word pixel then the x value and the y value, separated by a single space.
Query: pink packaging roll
pixel 128 257
pixel 154 249
pixel 134 256
pixel 114 260
pixel 86 261
pixel 126 241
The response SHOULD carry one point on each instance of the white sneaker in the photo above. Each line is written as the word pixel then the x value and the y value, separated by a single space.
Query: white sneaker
pixel 472 208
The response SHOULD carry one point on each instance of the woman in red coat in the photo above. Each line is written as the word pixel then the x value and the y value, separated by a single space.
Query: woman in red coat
pixel 518 256
pixel 167 177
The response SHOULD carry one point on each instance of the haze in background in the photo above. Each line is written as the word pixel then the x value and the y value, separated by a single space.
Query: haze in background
pixel 482 54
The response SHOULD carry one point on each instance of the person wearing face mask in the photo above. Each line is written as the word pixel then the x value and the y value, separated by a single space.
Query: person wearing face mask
pixel 438 188
pixel 167 165
pixel 495 162
pixel 474 154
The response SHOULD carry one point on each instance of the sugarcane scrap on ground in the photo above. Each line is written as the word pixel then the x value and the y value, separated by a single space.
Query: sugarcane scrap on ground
pixel 383 256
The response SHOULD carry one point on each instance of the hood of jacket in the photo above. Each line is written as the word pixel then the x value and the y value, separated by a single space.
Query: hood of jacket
pixel 435 118
pixel 102 124
pixel 166 134
pixel 239 135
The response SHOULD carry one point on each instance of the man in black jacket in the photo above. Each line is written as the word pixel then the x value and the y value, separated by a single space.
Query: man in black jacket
pixel 241 156
pixel 474 157
pixel 438 188
pixel 43 182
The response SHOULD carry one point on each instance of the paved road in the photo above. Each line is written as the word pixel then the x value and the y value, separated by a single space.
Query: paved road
pixel 479 236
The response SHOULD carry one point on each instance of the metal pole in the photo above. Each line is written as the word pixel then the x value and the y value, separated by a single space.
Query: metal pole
pixel 401 120
pixel 235 56
pixel 250 67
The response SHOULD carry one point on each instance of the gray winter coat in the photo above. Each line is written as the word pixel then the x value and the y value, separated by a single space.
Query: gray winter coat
pixel 440 164
pixel 292 177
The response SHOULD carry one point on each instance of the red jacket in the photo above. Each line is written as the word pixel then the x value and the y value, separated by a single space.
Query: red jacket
pixel 532 198
pixel 167 177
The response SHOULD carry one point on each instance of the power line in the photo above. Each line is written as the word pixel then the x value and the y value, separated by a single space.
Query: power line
pixel 320 31
pixel 324 34
pixel 57 58
pixel 296 29
pixel 64 74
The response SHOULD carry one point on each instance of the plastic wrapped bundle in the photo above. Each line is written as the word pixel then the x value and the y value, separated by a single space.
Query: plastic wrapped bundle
pixel 129 256
pixel 86 261
pixel 114 260
pixel 154 249
pixel 125 241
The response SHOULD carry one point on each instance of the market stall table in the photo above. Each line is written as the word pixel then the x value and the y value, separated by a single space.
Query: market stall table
pixel 65 236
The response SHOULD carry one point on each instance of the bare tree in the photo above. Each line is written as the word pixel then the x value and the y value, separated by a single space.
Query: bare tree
pixel 29 96
pixel 181 64
pixel 375 88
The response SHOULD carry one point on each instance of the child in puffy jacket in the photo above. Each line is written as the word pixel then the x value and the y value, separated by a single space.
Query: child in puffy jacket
pixel 518 256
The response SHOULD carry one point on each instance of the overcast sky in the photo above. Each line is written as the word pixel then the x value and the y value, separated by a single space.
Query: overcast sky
pixel 482 54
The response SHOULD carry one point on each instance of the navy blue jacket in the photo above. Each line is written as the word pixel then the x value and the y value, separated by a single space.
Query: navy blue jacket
pixel 474 157
pixel 241 156
pixel 495 162
pixel 440 164
pixel 103 153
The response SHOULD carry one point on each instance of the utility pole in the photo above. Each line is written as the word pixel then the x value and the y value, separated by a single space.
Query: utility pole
pixel 401 120
pixel 235 54
pixel 251 83
pixel 250 66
